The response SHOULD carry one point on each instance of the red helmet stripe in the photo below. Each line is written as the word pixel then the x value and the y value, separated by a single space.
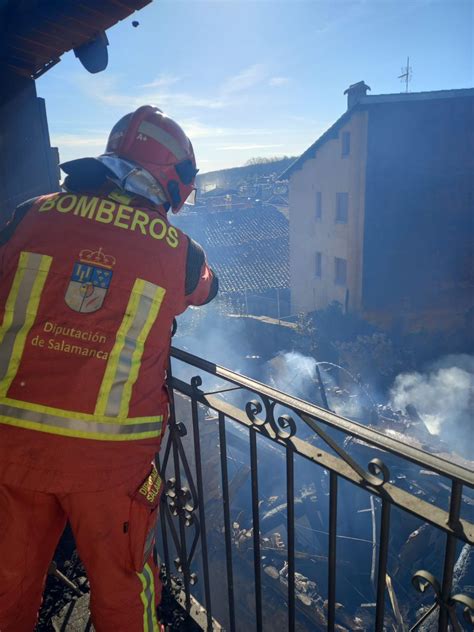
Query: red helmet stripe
pixel 163 137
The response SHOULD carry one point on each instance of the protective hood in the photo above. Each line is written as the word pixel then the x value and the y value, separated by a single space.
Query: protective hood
pixel 126 174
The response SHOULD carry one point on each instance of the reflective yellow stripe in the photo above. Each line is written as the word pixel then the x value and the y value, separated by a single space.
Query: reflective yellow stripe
pixel 12 297
pixel 60 412
pixel 154 620
pixel 31 311
pixel 73 427
pixel 20 313
pixel 79 434
pixel 112 363
pixel 125 359
pixel 155 307
pixel 147 596
pixel 22 307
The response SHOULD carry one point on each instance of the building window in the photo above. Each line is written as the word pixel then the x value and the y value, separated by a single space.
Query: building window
pixel 342 208
pixel 319 205
pixel 340 269
pixel 318 265
pixel 346 144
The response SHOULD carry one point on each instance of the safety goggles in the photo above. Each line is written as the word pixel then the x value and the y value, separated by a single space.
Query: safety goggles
pixel 186 172
pixel 191 199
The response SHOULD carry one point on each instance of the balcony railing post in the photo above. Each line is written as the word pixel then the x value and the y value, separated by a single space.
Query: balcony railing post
pixel 227 525
pixel 383 559
pixel 332 551
pixel 290 499
pixel 202 513
pixel 449 556
pixel 263 426
pixel 164 533
pixel 182 551
pixel 256 529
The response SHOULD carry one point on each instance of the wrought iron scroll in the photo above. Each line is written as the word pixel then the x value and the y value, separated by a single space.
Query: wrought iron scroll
pixel 423 581
pixel 184 514
pixel 283 426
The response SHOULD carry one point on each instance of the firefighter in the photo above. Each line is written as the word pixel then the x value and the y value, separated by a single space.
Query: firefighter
pixel 91 280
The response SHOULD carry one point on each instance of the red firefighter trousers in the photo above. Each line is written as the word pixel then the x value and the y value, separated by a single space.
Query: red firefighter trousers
pixel 114 536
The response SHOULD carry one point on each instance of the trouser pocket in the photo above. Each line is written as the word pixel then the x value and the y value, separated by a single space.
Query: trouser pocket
pixel 143 514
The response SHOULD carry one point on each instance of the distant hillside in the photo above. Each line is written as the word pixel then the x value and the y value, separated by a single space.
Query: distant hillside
pixel 232 178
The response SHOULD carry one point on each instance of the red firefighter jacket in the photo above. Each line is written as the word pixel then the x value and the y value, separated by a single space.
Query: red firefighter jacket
pixel 89 289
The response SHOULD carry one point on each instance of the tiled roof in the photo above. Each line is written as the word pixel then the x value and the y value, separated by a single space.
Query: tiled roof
pixel 277 200
pixel 219 191
pixel 248 248
pixel 417 96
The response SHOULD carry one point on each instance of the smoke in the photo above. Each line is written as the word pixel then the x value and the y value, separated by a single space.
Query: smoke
pixel 293 373
pixel 296 374
pixel 209 334
pixel 443 397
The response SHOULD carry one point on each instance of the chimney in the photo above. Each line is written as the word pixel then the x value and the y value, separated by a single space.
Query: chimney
pixel 355 93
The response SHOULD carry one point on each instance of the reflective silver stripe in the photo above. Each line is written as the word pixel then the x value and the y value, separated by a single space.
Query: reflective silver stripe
pixel 20 311
pixel 150 623
pixel 164 138
pixel 153 619
pixel 89 428
pixel 150 538
pixel 128 363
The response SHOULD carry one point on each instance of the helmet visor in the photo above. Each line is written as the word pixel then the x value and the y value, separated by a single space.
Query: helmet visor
pixel 191 199
pixel 186 171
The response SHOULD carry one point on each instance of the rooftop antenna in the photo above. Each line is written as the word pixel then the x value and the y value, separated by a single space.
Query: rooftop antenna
pixel 406 74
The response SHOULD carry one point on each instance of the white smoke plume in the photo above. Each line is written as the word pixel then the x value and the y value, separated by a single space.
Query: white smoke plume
pixel 295 374
pixel 443 396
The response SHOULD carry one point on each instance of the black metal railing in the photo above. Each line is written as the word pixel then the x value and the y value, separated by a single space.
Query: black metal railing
pixel 221 582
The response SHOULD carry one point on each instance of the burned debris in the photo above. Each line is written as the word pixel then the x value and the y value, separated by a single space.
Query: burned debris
pixel 412 543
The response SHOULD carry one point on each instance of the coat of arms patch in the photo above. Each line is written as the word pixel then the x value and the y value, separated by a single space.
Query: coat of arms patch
pixel 90 281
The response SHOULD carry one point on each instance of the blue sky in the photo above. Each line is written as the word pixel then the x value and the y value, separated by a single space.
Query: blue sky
pixel 250 78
